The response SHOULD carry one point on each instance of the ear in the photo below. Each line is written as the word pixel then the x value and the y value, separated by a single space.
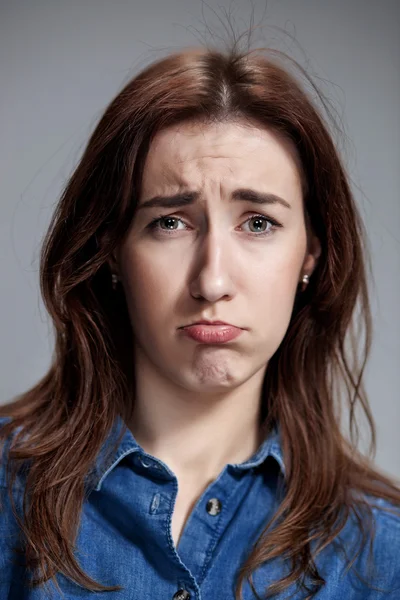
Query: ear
pixel 312 256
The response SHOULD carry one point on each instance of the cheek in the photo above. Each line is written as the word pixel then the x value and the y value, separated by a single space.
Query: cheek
pixel 271 299
pixel 148 285
pixel 284 278
pixel 272 293
pixel 277 274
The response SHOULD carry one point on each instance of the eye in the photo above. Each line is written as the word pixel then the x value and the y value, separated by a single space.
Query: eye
pixel 171 221
pixel 260 222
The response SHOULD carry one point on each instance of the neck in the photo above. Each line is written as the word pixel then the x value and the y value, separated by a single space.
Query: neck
pixel 196 433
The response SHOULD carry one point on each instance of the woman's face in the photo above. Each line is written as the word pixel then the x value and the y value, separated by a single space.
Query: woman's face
pixel 214 258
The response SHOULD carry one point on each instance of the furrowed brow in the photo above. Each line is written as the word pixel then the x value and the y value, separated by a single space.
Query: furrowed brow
pixel 186 198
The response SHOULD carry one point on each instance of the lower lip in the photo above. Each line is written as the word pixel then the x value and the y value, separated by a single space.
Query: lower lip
pixel 212 334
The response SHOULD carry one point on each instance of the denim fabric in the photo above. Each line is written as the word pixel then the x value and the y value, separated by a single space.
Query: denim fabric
pixel 125 537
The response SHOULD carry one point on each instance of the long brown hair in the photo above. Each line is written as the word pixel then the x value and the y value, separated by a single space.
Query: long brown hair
pixel 65 418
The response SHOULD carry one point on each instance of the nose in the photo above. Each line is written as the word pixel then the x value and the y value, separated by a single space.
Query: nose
pixel 212 268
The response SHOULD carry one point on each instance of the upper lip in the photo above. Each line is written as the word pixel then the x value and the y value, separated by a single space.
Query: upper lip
pixel 209 322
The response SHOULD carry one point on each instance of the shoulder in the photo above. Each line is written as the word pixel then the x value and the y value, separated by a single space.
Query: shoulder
pixel 373 557
pixel 379 560
pixel 387 527
pixel 385 516
pixel 386 547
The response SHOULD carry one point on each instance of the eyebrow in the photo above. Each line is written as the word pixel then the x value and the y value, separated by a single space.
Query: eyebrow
pixel 187 198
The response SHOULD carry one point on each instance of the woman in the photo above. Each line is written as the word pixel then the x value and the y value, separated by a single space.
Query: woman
pixel 165 455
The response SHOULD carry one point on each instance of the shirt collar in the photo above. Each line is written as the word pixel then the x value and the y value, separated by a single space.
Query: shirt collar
pixel 111 454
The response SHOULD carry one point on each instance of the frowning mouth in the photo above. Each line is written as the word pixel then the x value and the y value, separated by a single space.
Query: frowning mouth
pixel 205 333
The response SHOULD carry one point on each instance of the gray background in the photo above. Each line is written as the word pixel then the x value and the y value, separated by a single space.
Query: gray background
pixel 63 61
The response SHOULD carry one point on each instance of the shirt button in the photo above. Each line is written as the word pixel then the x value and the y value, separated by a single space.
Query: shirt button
pixel 181 595
pixel 213 506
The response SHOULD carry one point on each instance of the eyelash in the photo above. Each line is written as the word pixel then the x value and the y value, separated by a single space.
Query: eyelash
pixel 154 225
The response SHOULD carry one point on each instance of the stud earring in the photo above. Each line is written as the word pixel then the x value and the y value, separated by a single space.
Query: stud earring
pixel 305 281
pixel 114 280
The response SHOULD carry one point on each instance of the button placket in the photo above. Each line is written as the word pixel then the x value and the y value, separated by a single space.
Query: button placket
pixel 207 522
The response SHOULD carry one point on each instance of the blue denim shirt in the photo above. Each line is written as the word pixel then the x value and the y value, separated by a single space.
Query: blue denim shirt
pixel 125 534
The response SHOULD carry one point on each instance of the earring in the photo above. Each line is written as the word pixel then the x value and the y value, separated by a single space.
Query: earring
pixel 305 280
pixel 114 280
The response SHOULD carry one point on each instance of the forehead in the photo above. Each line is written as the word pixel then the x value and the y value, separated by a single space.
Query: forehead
pixel 196 153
